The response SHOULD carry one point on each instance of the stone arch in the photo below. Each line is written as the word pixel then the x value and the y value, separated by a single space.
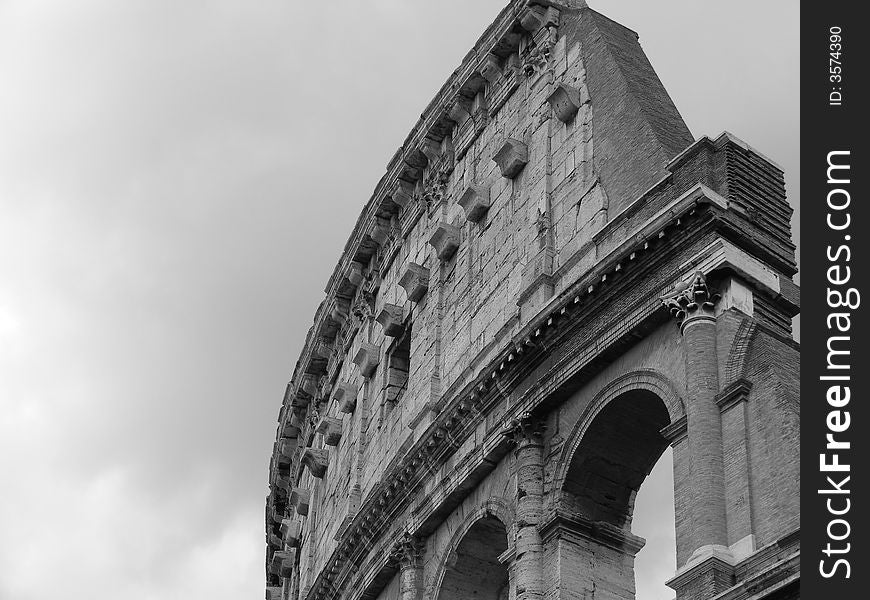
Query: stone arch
pixel 641 379
pixel 492 518
pixel 614 444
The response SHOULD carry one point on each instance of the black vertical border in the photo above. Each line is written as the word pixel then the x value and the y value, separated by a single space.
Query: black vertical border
pixel 826 128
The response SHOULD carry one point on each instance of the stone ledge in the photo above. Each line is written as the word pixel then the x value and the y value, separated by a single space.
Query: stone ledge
pixel 561 522
pixel 734 393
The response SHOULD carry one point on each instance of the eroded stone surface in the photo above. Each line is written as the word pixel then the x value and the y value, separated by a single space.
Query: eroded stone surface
pixel 544 321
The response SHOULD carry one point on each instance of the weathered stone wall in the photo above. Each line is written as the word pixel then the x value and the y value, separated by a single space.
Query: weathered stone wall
pixel 508 273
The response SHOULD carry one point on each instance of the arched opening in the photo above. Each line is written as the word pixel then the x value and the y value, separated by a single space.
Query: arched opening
pixel 615 454
pixel 653 520
pixel 473 570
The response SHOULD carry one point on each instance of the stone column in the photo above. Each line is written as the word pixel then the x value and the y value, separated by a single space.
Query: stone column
pixel 693 306
pixel 526 432
pixel 408 554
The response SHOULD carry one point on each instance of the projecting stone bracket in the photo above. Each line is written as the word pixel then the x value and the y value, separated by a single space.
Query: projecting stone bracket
pixel 511 157
pixel 283 483
pixel 367 358
pixel 339 309
pixel 354 274
pixel 330 429
pixel 309 385
pixel 345 396
pixel 300 500
pixel 566 100
pixel 459 110
pixel 402 192
pixel 273 593
pixel 392 320
pixel 415 281
pixel 291 531
pixel 316 460
pixel 282 563
pixel 490 68
pixel 475 202
pixel 322 348
pixel 445 240
pixel 287 447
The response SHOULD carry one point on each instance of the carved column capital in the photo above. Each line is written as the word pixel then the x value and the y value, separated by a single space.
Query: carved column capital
pixel 525 429
pixel 408 551
pixel 692 301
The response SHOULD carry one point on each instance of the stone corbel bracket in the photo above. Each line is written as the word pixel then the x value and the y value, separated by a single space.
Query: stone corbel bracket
pixel 287 447
pixel 339 309
pixel 475 202
pixel 415 281
pixel 345 396
pixel 511 158
pixel 300 500
pixel 354 274
pixel 490 68
pixel 317 460
pixel 392 320
pixel 322 348
pixel 445 240
pixel 291 532
pixel 274 593
pixel 367 359
pixel 566 100
pixel 309 385
pixel 330 429
pixel 459 110
pixel 402 192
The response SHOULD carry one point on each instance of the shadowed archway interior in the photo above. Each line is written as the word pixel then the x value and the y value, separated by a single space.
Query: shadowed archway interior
pixel 617 452
pixel 473 568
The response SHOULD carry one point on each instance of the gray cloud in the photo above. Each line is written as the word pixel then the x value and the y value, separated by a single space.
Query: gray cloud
pixel 176 182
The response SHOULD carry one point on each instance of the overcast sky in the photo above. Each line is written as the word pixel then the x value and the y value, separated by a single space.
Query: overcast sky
pixel 177 180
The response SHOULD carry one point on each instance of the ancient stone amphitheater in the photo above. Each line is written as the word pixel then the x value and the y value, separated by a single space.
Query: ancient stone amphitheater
pixel 551 284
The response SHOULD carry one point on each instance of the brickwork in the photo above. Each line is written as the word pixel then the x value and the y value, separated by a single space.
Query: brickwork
pixel 493 366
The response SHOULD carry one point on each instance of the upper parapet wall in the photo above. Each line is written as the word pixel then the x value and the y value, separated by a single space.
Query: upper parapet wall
pixel 635 124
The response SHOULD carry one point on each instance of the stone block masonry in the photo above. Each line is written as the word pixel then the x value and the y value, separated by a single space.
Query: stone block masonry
pixel 494 371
